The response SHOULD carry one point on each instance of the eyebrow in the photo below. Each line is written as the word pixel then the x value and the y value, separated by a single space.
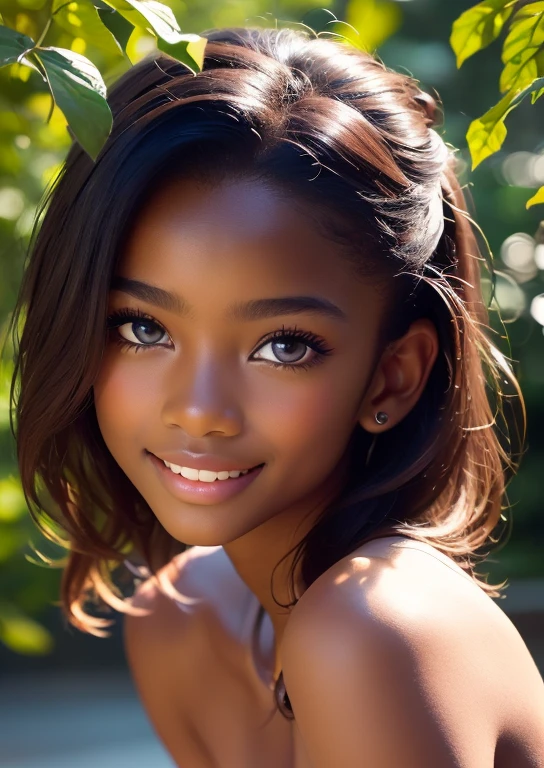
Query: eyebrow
pixel 257 309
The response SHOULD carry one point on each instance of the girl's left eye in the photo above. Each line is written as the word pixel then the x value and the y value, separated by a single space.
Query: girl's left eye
pixel 294 348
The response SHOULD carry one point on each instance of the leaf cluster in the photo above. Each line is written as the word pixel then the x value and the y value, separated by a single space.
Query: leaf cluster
pixel 74 82
pixel 523 66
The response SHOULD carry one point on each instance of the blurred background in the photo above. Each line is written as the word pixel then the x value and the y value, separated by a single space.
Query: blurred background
pixel 72 692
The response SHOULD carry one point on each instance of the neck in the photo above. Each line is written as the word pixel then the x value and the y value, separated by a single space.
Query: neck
pixel 257 554
pixel 255 557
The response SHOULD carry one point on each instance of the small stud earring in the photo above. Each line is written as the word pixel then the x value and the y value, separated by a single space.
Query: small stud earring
pixel 381 417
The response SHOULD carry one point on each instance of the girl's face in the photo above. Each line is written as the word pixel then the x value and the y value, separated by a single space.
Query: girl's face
pixel 238 337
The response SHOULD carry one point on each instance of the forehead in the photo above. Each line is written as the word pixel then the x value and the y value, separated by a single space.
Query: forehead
pixel 238 240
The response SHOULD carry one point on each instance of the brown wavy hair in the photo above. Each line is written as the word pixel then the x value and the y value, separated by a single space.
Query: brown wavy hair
pixel 328 124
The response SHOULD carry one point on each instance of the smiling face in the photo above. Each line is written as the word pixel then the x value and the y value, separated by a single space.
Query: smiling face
pixel 235 366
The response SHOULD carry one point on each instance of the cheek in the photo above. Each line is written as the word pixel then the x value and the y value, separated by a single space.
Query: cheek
pixel 121 396
pixel 311 425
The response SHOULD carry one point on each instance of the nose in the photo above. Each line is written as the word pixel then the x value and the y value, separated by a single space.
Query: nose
pixel 201 399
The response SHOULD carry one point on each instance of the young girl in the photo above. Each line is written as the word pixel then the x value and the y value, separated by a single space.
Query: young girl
pixel 255 360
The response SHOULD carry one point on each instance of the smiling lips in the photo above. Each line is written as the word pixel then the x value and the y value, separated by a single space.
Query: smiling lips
pixel 204 475
pixel 204 491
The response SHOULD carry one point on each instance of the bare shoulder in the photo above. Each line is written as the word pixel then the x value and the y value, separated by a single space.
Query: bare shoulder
pixel 423 594
pixel 409 621
pixel 165 648
pixel 196 585
pixel 394 577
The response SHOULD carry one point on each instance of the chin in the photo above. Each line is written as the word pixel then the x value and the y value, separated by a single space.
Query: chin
pixel 190 526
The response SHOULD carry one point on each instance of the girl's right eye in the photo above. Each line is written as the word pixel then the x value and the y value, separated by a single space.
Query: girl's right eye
pixel 140 331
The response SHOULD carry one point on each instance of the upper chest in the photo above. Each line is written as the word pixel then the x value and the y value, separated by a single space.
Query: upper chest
pixel 230 686
pixel 234 712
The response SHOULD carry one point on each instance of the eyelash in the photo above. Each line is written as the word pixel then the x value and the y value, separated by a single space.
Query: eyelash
pixel 122 316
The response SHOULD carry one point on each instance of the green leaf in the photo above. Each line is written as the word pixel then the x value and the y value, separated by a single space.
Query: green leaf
pixel 536 199
pixel 536 95
pixel 80 19
pixel 80 93
pixel 486 134
pixel 152 15
pixel 13 45
pixel 535 87
pixel 190 51
pixel 119 27
pixel 521 48
pixel 478 27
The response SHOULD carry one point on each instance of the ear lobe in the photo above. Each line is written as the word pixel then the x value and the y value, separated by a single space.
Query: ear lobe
pixel 376 387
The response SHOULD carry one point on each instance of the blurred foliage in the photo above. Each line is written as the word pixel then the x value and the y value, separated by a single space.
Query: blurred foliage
pixel 411 36
pixel 523 66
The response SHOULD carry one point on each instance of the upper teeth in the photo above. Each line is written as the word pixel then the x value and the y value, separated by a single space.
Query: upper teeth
pixel 204 475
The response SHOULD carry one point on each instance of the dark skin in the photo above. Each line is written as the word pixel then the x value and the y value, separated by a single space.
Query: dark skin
pixel 208 384
pixel 409 654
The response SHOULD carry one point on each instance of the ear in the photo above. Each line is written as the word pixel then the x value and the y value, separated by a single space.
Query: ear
pixel 400 376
